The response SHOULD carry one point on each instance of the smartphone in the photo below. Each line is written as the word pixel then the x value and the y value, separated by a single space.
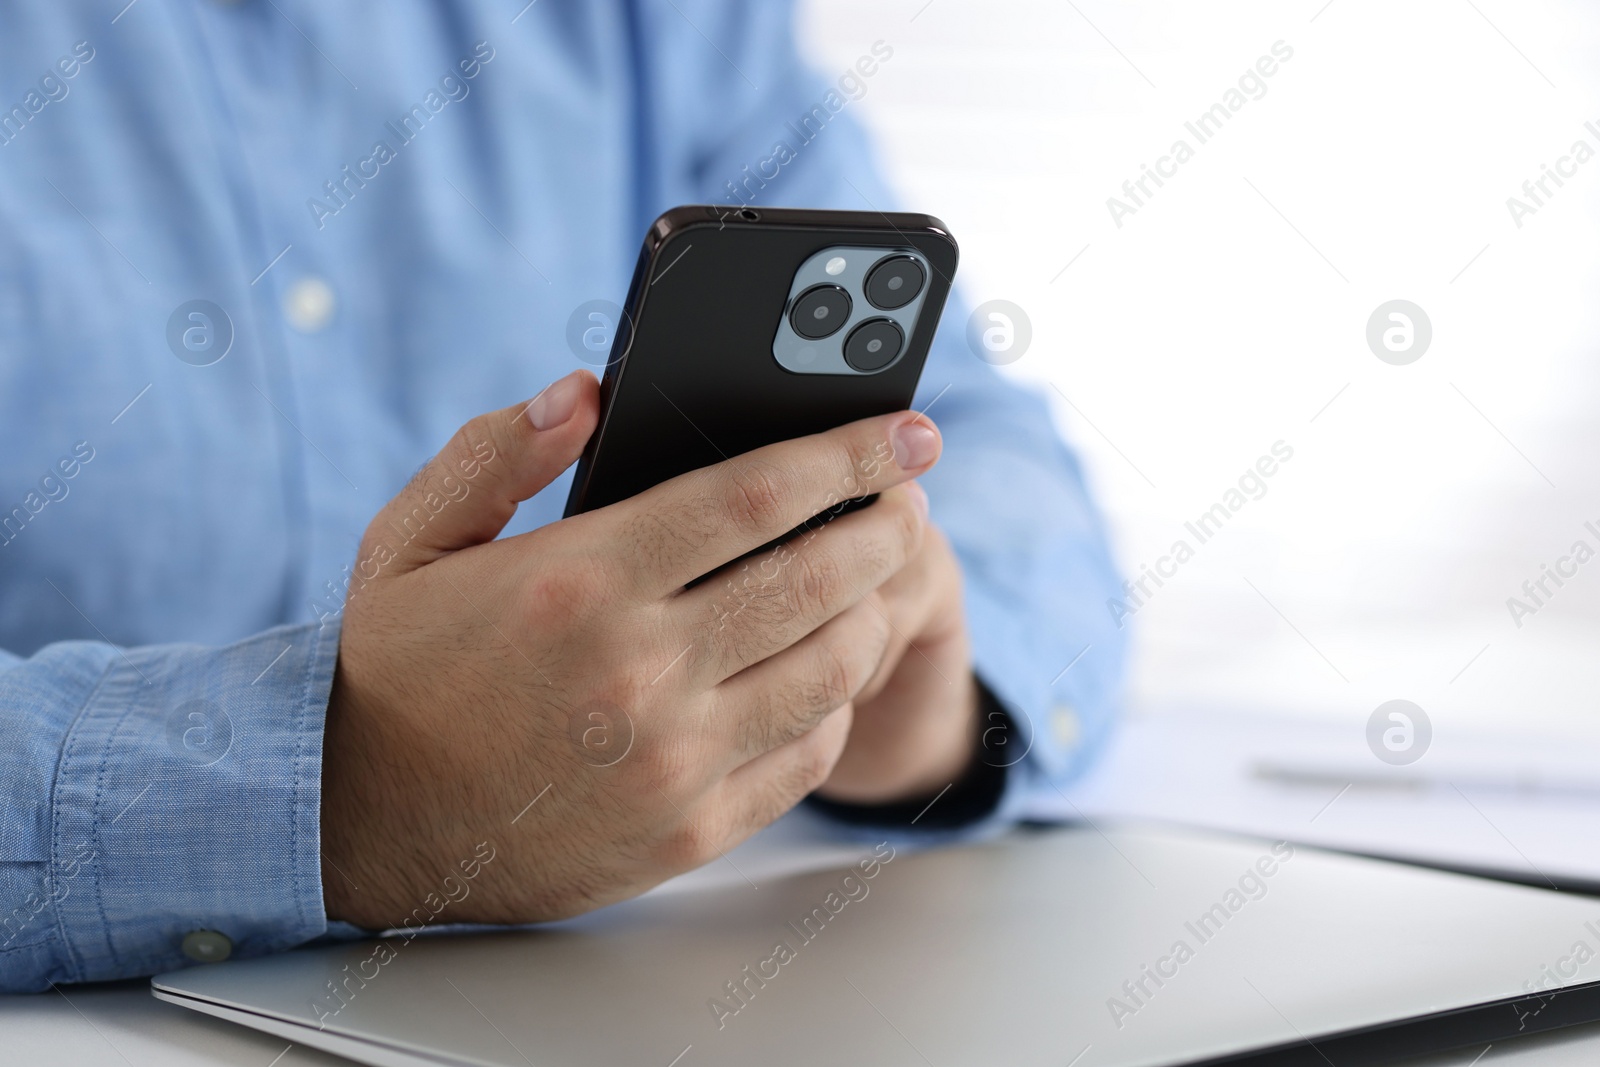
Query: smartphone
pixel 745 327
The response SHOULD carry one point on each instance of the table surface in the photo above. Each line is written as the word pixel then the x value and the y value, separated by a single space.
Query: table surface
pixel 121 1023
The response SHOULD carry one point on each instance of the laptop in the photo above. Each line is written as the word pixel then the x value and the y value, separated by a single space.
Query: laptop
pixel 1132 947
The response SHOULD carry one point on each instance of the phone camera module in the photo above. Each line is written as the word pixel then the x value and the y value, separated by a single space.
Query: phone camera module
pixel 894 282
pixel 820 311
pixel 873 345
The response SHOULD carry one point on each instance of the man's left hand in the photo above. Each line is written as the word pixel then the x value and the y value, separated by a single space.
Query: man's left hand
pixel 915 728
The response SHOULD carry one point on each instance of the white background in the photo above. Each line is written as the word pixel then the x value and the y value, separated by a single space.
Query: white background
pixel 1206 327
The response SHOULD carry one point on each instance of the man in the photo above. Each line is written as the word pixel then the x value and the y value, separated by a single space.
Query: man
pixel 257 261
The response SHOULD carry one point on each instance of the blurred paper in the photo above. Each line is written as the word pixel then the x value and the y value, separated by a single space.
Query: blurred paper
pixel 1525 809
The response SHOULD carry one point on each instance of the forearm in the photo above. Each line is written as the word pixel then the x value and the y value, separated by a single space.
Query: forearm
pixel 1037 572
pixel 154 793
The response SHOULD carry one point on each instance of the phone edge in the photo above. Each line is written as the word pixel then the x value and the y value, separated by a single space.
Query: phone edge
pixel 683 218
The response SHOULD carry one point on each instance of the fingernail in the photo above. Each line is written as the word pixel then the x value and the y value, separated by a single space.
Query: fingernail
pixel 556 404
pixel 915 443
pixel 919 497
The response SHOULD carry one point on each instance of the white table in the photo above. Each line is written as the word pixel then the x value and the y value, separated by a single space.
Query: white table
pixel 122 1023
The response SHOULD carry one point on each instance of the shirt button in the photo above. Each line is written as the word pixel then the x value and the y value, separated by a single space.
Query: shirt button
pixel 308 304
pixel 207 946
pixel 1064 725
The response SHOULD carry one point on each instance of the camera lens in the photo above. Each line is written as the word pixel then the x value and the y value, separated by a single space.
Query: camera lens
pixel 894 282
pixel 820 312
pixel 873 345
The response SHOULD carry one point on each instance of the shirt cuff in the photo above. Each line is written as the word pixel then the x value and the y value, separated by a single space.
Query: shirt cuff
pixel 187 804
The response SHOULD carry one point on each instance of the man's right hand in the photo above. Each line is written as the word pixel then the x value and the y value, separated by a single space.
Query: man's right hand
pixel 563 697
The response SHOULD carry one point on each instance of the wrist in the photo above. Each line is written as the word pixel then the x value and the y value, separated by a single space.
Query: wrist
pixel 354 888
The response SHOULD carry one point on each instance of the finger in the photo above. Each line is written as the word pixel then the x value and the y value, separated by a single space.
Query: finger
pixel 785 697
pixel 466 494
pixel 760 607
pixel 691 525
pixel 767 787
pixel 920 601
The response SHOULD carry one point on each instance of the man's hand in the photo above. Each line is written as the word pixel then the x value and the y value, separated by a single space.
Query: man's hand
pixel 916 721
pixel 563 699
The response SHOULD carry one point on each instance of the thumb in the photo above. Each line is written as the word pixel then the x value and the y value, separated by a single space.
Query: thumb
pixel 467 493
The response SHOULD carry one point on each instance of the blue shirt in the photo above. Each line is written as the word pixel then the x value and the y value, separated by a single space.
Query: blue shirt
pixel 390 209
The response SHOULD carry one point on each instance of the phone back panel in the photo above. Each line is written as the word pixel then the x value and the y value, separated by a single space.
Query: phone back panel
pixel 695 381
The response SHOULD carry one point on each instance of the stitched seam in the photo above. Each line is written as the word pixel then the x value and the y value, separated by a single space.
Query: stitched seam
pixel 74 965
pixel 94 816
pixel 299 776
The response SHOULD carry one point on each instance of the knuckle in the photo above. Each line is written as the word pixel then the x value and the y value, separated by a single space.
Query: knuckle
pixel 475 445
pixel 681 846
pixel 858 468
pixel 875 633
pixel 910 526
pixel 770 726
pixel 751 625
pixel 796 709
pixel 839 671
pixel 577 601
pixel 812 764
pixel 756 495
pixel 834 672
pixel 817 580
pixel 477 428
pixel 479 441
pixel 815 768
pixel 874 555
pixel 559 592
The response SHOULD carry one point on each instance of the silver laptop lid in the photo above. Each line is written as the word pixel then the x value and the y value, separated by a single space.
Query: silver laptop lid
pixel 1062 947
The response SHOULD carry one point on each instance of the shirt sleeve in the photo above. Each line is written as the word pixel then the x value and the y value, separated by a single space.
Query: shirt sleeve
pixel 161 804
pixel 739 119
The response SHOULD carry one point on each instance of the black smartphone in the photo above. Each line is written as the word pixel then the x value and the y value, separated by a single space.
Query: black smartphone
pixel 746 327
